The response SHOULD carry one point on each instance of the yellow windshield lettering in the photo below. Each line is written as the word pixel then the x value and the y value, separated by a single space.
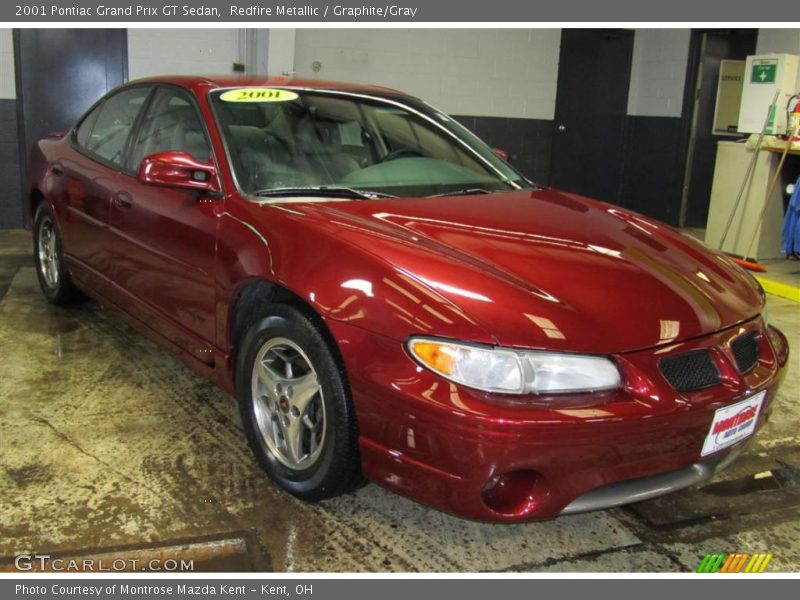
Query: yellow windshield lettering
pixel 258 95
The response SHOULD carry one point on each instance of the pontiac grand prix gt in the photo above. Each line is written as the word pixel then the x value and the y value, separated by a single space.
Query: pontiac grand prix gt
pixel 387 297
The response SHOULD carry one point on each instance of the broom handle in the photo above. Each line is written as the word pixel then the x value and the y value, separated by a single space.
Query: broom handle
pixel 749 171
pixel 771 189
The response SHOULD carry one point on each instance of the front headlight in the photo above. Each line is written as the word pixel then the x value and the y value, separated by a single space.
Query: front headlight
pixel 510 371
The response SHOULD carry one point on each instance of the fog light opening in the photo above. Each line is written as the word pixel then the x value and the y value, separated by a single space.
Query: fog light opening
pixel 779 344
pixel 512 493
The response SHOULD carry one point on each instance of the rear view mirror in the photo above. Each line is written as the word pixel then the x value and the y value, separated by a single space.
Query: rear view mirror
pixel 178 170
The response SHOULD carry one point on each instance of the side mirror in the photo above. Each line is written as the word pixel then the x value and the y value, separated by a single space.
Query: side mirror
pixel 178 170
pixel 500 153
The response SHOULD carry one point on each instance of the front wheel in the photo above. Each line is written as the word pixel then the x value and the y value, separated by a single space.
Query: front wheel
pixel 54 278
pixel 296 408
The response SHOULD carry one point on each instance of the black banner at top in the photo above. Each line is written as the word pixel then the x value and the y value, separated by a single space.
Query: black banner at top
pixel 388 11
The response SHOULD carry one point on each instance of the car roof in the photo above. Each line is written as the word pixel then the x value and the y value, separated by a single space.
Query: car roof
pixel 201 83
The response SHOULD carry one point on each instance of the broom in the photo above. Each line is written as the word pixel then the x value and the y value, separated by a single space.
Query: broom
pixel 754 266
pixel 742 261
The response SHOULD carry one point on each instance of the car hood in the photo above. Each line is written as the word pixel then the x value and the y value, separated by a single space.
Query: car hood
pixel 555 270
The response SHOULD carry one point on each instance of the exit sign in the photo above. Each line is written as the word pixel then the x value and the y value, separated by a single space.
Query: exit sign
pixel 764 71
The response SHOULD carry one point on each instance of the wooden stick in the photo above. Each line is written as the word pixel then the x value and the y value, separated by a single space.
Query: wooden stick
pixel 772 184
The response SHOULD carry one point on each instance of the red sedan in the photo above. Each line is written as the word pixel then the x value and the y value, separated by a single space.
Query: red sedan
pixel 387 297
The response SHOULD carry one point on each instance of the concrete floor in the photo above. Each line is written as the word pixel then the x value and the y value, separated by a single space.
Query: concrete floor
pixel 110 446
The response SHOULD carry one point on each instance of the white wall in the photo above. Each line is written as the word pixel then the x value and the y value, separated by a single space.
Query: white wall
pixel 256 45
pixel 658 72
pixel 781 41
pixel 485 72
pixel 184 51
pixel 280 53
pixel 7 83
pixel 786 41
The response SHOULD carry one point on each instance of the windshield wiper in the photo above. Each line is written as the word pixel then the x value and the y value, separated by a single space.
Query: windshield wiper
pixel 333 191
pixel 465 192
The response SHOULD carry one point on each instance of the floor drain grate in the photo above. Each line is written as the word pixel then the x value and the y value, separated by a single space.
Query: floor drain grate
pixel 755 493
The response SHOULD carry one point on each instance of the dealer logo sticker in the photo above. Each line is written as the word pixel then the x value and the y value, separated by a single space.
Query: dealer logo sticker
pixel 258 95
pixel 734 562
pixel 733 423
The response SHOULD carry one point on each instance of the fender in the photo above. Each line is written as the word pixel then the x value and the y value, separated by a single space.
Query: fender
pixel 282 245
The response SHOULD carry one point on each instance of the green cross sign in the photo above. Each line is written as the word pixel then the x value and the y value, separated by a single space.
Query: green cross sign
pixel 764 72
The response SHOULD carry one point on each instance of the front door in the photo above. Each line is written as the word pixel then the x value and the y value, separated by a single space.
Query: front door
pixel 165 238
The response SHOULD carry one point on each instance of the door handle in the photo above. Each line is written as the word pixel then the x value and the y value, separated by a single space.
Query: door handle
pixel 562 128
pixel 122 200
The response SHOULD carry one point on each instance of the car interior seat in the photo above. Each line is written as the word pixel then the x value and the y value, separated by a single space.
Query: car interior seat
pixel 321 142
pixel 188 136
pixel 263 160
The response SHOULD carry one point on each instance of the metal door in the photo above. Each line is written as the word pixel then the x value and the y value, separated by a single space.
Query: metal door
pixel 60 74
pixel 591 107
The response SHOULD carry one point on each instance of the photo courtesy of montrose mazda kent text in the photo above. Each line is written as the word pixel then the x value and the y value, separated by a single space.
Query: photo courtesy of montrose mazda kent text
pixel 388 298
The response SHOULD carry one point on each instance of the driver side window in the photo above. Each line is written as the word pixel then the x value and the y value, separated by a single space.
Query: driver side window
pixel 171 124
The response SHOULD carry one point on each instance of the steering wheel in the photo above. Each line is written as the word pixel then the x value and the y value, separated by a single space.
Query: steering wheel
pixel 400 153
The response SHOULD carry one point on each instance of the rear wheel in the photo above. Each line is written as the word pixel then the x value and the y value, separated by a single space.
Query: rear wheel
pixel 54 278
pixel 295 406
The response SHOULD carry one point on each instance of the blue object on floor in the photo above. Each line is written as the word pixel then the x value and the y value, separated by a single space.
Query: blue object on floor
pixel 790 238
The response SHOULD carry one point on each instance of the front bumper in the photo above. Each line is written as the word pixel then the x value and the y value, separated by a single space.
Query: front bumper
pixel 503 459
pixel 644 488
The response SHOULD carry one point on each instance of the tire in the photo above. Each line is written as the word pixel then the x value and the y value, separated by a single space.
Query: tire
pixel 54 278
pixel 305 440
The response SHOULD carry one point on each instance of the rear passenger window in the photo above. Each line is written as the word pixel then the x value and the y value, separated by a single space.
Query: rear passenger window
pixel 112 125
pixel 171 124
pixel 84 130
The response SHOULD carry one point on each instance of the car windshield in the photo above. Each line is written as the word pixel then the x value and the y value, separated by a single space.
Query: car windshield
pixel 289 140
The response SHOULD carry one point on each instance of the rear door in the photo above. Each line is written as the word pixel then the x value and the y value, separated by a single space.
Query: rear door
pixel 164 239
pixel 90 176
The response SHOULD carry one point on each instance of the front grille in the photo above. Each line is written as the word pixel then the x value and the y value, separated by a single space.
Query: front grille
pixel 690 371
pixel 745 351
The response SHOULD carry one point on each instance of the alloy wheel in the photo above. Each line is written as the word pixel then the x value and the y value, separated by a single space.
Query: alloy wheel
pixel 288 404
pixel 48 252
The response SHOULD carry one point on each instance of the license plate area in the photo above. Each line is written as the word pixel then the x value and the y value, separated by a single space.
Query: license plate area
pixel 732 424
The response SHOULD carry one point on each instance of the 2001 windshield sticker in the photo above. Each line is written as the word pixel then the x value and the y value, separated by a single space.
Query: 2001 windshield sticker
pixel 258 95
